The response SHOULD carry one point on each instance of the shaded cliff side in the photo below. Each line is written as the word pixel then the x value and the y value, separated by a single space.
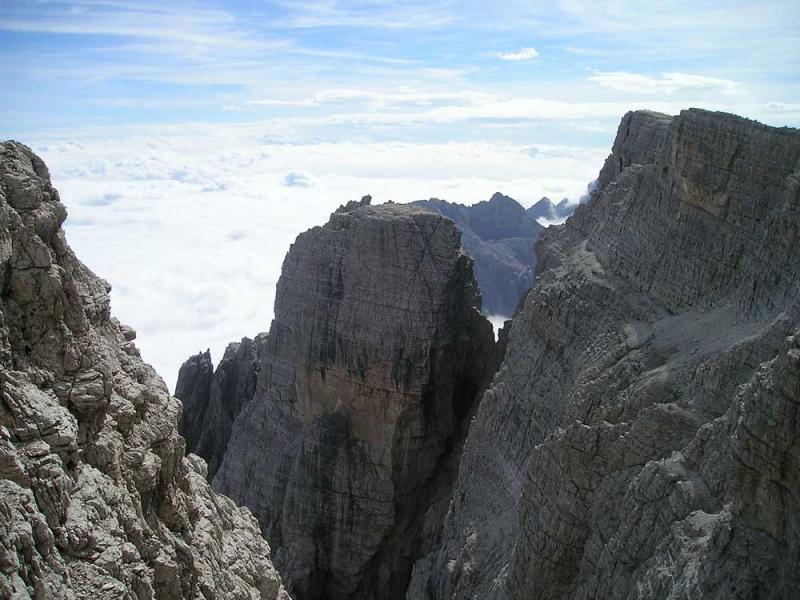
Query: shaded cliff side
pixel 212 399
pixel 499 235
pixel 97 499
pixel 348 444
pixel 641 437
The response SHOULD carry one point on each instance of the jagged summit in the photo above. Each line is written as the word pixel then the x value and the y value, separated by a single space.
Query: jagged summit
pixel 355 204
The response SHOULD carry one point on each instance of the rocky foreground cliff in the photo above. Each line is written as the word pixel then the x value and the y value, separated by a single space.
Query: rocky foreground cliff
pixel 642 437
pixel 97 499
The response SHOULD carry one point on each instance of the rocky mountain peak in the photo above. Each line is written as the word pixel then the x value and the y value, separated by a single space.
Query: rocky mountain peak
pixel 632 434
pixel 345 444
pixel 355 204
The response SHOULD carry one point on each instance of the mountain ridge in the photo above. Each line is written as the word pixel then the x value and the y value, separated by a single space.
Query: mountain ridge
pixel 596 465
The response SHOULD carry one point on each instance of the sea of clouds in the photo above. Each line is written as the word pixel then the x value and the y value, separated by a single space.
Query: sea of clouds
pixel 190 224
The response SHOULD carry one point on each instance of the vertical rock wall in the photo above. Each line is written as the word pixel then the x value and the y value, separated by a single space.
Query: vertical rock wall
pixel 373 361
pixel 639 440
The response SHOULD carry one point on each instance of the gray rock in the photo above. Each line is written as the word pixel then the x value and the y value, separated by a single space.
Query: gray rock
pixel 96 497
pixel 213 399
pixel 347 449
pixel 499 236
pixel 639 440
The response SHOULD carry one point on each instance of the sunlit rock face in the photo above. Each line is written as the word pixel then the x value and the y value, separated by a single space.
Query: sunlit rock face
pixel 346 446
pixel 97 499
pixel 640 438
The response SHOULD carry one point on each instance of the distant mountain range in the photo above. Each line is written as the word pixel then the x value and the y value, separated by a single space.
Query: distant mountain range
pixel 546 209
pixel 499 235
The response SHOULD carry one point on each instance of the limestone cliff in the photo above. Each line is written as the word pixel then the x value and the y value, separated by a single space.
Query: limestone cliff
pixel 346 447
pixel 213 399
pixel 96 497
pixel 499 235
pixel 641 438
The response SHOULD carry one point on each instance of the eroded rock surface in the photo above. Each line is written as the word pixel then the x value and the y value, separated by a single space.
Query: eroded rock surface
pixel 499 235
pixel 97 499
pixel 212 399
pixel 641 438
pixel 347 449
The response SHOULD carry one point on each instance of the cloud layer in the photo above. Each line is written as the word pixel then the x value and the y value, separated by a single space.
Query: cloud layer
pixel 190 224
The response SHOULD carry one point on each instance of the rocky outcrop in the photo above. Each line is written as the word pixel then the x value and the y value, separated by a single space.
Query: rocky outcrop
pixel 641 437
pixel 499 236
pixel 213 399
pixel 347 447
pixel 193 389
pixel 97 499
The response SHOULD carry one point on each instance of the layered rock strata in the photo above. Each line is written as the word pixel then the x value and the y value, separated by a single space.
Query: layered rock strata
pixel 641 438
pixel 347 445
pixel 97 499
pixel 499 235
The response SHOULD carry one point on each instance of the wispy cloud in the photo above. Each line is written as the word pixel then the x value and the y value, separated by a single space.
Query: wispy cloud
pixel 144 20
pixel 410 14
pixel 666 83
pixel 520 55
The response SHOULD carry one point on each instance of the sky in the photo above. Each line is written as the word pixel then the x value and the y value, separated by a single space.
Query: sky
pixel 192 141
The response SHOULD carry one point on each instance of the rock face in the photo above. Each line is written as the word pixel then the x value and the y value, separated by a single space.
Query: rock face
pixel 641 437
pixel 352 414
pixel 212 399
pixel 499 236
pixel 96 497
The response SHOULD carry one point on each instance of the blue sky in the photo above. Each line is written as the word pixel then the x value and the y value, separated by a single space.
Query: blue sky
pixel 392 70
pixel 192 141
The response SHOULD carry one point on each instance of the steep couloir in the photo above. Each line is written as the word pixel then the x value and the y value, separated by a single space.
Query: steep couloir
pixel 640 439
pixel 96 497
pixel 347 444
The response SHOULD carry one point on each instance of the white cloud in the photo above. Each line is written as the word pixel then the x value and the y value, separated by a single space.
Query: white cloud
pixel 521 54
pixel 667 83
pixel 416 107
pixel 198 218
